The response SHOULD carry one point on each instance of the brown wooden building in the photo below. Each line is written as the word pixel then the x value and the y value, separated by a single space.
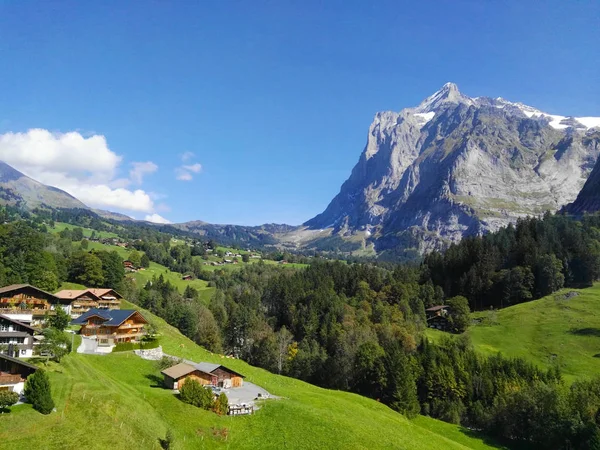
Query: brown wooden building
pixel 110 327
pixel 13 373
pixel 204 373
pixel 82 300
pixel 28 304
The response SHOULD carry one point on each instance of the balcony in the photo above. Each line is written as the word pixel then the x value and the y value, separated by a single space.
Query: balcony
pixel 7 378
pixel 130 325
pixel 128 335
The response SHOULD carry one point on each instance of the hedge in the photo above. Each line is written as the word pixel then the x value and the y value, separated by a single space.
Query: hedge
pixel 128 346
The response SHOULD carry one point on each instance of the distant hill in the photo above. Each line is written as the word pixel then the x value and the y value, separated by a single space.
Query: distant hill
pixel 17 189
pixel 562 328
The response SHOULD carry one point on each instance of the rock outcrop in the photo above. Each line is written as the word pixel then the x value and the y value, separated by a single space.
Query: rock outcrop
pixel 457 166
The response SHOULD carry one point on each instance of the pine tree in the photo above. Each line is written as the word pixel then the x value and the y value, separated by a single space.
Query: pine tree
pixel 37 391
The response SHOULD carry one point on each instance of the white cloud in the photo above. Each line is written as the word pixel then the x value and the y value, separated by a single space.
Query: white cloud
pixel 185 171
pixel 83 166
pixel 156 218
pixel 182 175
pixel 140 169
pixel 187 156
pixel 196 168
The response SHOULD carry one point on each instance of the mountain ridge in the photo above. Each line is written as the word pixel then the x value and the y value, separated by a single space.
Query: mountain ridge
pixel 455 166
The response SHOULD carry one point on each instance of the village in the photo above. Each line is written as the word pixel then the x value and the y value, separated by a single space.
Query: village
pixel 103 327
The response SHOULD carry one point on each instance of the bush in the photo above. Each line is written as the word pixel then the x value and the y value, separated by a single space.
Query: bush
pixel 37 391
pixel 221 404
pixel 144 345
pixel 165 362
pixel 195 394
pixel 7 399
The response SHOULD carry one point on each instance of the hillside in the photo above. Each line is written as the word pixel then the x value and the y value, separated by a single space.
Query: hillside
pixel 118 394
pixel 17 189
pixel 555 329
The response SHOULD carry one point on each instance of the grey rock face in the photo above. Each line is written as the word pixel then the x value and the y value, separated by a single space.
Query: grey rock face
pixel 18 189
pixel 588 200
pixel 456 166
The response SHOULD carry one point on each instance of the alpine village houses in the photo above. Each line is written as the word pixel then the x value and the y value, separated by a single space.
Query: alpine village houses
pixel 16 338
pixel 205 373
pixel 109 327
pixel 13 373
pixel 28 304
pixel 81 301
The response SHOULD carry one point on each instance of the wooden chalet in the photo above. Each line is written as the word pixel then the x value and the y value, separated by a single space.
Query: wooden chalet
pixel 82 300
pixel 16 338
pixel 111 326
pixel 205 373
pixel 130 266
pixel 13 373
pixel 187 277
pixel 28 304
pixel 437 317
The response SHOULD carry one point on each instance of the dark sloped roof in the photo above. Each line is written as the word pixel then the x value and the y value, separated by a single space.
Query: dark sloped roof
pixel 112 317
pixel 18 287
pixel 437 308
pixel 17 322
pixel 18 361
pixel 211 367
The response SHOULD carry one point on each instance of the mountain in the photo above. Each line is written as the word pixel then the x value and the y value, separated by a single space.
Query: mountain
pixel 17 189
pixel 588 200
pixel 456 166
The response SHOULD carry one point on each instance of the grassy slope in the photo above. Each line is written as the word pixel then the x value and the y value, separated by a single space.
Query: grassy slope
pixel 87 232
pixel 552 329
pixel 114 402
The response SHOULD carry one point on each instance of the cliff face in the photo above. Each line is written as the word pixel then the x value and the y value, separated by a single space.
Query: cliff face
pixel 457 166
pixel 588 200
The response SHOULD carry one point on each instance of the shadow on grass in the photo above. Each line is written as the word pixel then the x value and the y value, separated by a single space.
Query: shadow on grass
pixel 500 444
pixel 156 380
pixel 586 332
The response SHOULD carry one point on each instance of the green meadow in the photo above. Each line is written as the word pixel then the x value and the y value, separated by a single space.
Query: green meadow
pixel 117 402
pixel 557 329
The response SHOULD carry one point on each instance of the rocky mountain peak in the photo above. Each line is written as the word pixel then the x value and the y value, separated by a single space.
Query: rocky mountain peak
pixel 448 94
pixel 440 171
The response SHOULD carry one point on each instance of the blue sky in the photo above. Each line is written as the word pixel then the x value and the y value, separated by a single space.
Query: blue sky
pixel 272 98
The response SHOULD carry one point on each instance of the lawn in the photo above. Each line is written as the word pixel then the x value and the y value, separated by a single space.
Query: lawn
pixel 552 330
pixel 116 402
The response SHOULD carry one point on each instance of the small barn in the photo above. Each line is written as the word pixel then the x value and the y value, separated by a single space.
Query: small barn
pixel 204 373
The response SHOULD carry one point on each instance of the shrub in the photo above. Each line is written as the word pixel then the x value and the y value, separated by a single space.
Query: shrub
pixel 195 394
pixel 7 399
pixel 37 391
pixel 221 404
pixel 169 441
pixel 128 346
pixel 165 362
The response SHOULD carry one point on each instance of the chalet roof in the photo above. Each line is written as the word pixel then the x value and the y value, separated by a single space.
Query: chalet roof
pixel 102 292
pixel 98 293
pixel 72 294
pixel 179 370
pixel 18 287
pixel 17 322
pixel 18 361
pixel 437 308
pixel 210 368
pixel 112 317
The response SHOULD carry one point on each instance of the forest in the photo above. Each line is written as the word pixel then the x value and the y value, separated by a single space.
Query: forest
pixel 360 327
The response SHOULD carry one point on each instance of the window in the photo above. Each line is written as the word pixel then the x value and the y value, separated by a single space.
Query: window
pixel 23 352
